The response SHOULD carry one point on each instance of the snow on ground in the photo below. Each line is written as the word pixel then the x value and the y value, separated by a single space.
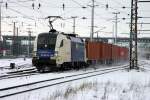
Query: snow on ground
pixel 5 64
pixel 17 61
pixel 120 85
pixel 44 76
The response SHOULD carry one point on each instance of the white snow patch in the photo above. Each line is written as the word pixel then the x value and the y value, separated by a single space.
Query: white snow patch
pixel 120 85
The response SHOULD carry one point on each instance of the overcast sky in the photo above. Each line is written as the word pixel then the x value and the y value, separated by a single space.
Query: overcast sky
pixel 27 18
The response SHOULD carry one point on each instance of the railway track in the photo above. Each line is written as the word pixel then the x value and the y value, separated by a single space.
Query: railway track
pixel 145 68
pixel 14 90
pixel 16 67
pixel 19 73
pixel 26 72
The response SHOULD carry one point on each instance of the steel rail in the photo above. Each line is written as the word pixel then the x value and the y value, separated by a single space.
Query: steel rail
pixel 17 76
pixel 19 73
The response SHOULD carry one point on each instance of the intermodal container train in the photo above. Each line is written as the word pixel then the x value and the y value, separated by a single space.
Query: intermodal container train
pixel 54 50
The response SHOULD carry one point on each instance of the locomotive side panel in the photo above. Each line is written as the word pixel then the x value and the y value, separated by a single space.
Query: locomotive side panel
pixel 77 52
pixel 63 49
pixel 64 52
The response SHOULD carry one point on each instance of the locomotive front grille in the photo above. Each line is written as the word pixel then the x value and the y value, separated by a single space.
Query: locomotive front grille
pixel 46 61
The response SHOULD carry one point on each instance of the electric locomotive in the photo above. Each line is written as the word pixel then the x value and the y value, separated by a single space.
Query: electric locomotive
pixel 55 50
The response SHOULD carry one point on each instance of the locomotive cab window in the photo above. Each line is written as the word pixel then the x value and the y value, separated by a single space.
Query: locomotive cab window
pixel 61 44
pixel 46 41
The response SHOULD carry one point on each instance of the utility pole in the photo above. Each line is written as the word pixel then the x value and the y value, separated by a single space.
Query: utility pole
pixel 14 35
pixel 113 33
pixel 92 21
pixel 1 20
pixel 29 47
pixel 74 23
pixel 133 36
pixel 29 41
pixel 116 25
pixel 17 42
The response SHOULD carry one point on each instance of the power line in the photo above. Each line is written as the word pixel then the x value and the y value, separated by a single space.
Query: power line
pixel 106 19
pixel 77 3
pixel 97 15
pixel 21 13
pixel 29 9
pixel 112 8
pixel 25 0
pixel 118 3
pixel 144 1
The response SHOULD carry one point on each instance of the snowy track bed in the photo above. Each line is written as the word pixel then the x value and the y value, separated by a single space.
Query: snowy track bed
pixel 144 66
pixel 19 73
pixel 19 63
pixel 115 85
pixel 21 67
pixel 13 90
pixel 25 71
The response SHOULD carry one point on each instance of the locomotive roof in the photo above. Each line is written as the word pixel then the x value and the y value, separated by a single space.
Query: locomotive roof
pixel 49 33
pixel 75 39
pixel 72 37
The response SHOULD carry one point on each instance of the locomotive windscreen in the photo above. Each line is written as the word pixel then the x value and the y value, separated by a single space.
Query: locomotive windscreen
pixel 46 41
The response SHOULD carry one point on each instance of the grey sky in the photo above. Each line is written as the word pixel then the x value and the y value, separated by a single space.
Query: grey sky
pixel 22 11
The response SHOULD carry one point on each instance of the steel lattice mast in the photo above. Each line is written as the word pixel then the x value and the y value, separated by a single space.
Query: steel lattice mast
pixel 133 36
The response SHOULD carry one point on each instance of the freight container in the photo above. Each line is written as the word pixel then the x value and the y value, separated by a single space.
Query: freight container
pixel 126 53
pixel 109 51
pixel 101 51
pixel 104 52
pixel 92 49
pixel 121 53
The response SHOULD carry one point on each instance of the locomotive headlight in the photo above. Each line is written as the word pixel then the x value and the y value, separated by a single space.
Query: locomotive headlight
pixel 56 53
pixel 34 54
